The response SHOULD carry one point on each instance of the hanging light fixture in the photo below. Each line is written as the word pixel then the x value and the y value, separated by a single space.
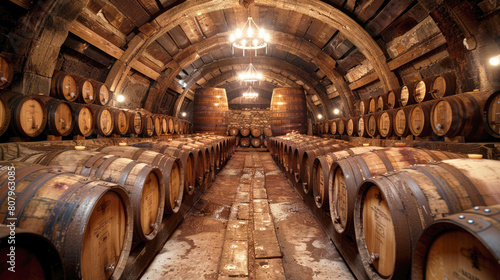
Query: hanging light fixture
pixel 250 93
pixel 250 74
pixel 249 37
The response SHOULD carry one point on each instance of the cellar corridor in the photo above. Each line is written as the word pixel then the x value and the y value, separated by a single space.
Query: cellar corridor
pixel 250 224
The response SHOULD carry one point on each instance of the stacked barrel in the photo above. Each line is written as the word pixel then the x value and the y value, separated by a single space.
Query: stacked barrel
pixel 425 109
pixel 248 136
pixel 78 106
pixel 95 206
pixel 400 204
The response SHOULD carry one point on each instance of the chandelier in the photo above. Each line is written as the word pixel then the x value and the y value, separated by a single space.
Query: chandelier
pixel 249 37
pixel 250 93
pixel 250 74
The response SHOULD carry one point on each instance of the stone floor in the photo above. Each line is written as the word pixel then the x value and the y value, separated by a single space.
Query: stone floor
pixel 250 224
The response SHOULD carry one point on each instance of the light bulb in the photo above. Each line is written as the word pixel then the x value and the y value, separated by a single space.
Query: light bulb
pixel 184 114
pixel 320 116
pixel 495 61
pixel 336 111
pixel 232 38
pixel 120 98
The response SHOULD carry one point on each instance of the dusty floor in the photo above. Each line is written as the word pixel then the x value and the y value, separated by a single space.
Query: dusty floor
pixel 250 224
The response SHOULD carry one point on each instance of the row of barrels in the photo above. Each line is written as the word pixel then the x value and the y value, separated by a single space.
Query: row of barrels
pixel 256 142
pixel 246 131
pixel 79 89
pixel 473 115
pixel 30 116
pixel 96 205
pixel 434 87
pixel 413 213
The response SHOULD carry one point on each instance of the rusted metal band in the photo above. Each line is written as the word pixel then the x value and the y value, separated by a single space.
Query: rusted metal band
pixel 387 162
pixel 126 171
pixel 137 154
pixel 49 157
pixel 158 160
pixel 104 166
pixel 416 192
pixel 364 167
pixel 87 167
pixel 474 194
pixel 431 154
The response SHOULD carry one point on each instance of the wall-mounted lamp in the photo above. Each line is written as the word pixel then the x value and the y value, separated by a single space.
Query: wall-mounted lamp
pixel 336 111
pixel 184 114
pixel 120 98
pixel 320 116
pixel 495 61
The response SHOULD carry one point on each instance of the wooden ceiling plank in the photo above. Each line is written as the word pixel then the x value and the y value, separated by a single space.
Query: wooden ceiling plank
pixel 190 28
pixel 150 6
pixel 133 10
pixel 168 44
pixel 388 15
pixel 95 39
pixel 367 9
pixel 179 37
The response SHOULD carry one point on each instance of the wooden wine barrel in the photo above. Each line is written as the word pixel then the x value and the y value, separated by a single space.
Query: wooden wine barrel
pixel 103 120
pixel 364 106
pixel 171 167
pixel 171 128
pixel 348 174
pixel 6 71
pixel 443 85
pixel 465 244
pixel 460 115
pixel 143 183
pixel 28 113
pixel 385 123
pixel 34 257
pixel 233 131
pixel 292 156
pixel 371 123
pixel 419 121
pixel 382 102
pixel 134 122
pixel 391 211
pixel 333 127
pixel 268 132
pixel 59 116
pixel 352 126
pixel 288 111
pixel 361 127
pixel 245 142
pixel 157 125
pixel 210 105
pixel 103 95
pixel 164 124
pixel 245 131
pixel 265 143
pixel 422 91
pixel 401 117
pixel 83 119
pixel 178 127
pixel 5 114
pixel 147 125
pixel 85 90
pixel 341 126
pixel 64 86
pixel 256 142
pixel 406 95
pixel 121 121
pixel 326 128
pixel 256 132
pixel 491 115
pixel 185 127
pixel 393 98
pixel 372 105
pixel 186 158
pixel 89 222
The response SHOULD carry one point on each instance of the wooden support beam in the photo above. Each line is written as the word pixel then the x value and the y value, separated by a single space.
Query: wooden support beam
pixel 418 51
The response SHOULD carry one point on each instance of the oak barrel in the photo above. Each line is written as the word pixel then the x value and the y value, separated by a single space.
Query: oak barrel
pixel 401 117
pixel 121 121
pixel 348 174
pixel 6 71
pixel 85 90
pixel 256 132
pixel 171 167
pixel 157 125
pixel 268 132
pixel 103 95
pixel 288 111
pixel 233 131
pixel 256 142
pixel 245 131
pixel 422 91
pixel 391 211
pixel 245 142
pixel 341 124
pixel 210 105
pixel 5 114
pixel 371 124
pixel 83 119
pixel 361 127
pixel 352 126
pixel 148 126
pixel 406 95
pixel 326 128
pixel 382 102
pixel 419 121
pixel 443 85
pixel 164 124
pixel 178 126
pixel 28 113
pixel 171 128
pixel 34 256
pixel 464 245
pixel 103 120
pixel 372 105
pixel 364 106
pixel 143 183
pixel 64 86
pixel 89 222
pixel 186 158
pixel 460 115
pixel 491 115
pixel 393 97
pixel 385 123
pixel 333 127
pixel 134 122
pixel 59 116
